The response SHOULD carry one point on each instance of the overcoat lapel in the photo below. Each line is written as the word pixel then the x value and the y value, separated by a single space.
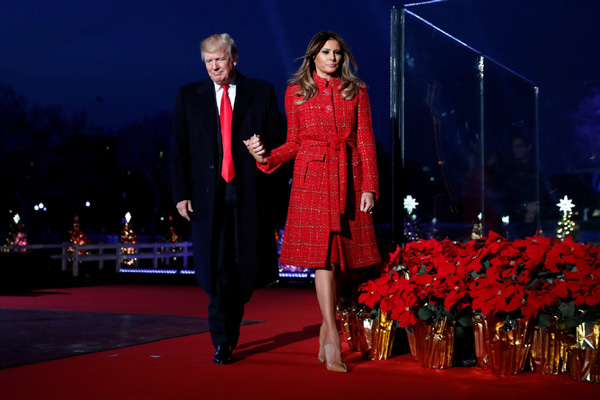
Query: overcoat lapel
pixel 208 115
pixel 242 101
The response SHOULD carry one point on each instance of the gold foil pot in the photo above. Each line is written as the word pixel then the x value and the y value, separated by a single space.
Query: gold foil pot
pixel 584 355
pixel 373 337
pixel 348 331
pixel 549 351
pixel 435 344
pixel 479 337
pixel 364 333
pixel 410 334
pixel 383 332
pixel 507 344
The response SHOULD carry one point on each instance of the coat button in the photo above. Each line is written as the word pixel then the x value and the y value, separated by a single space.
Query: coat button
pixel 207 189
pixel 211 166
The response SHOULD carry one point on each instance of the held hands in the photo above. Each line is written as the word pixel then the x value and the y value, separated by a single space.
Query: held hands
pixel 367 202
pixel 257 148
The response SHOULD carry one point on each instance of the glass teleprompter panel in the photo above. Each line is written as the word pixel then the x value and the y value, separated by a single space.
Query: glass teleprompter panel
pixel 454 115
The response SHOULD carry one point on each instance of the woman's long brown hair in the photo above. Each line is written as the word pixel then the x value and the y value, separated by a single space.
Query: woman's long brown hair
pixel 350 84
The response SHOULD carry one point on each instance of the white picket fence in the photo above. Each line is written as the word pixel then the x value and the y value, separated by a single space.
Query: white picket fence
pixel 75 254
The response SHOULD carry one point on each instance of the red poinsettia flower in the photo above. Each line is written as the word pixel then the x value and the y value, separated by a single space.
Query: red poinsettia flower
pixel 455 293
pixel 589 298
pixel 495 276
pixel 403 313
pixel 534 248
pixel 371 297
pixel 394 258
pixel 531 307
pixel 587 291
pixel 374 291
pixel 561 289
pixel 468 257
pixel 491 296
pixel 538 298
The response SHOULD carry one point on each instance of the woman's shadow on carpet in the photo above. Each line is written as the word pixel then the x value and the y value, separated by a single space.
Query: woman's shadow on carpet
pixel 277 341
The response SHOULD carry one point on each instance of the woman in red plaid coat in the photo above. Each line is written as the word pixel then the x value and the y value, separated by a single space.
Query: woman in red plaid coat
pixel 335 181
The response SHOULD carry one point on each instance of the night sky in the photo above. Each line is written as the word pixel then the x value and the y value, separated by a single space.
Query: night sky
pixel 133 55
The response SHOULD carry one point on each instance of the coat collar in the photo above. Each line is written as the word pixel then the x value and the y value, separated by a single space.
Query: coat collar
pixel 323 83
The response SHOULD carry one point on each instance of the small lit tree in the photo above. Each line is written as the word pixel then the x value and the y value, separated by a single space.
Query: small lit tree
pixel 128 236
pixel 17 236
pixel 566 225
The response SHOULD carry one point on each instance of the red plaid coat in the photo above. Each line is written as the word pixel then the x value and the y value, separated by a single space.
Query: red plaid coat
pixel 332 141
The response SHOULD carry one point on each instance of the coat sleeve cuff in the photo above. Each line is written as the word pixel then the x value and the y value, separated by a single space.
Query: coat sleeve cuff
pixel 372 190
pixel 269 167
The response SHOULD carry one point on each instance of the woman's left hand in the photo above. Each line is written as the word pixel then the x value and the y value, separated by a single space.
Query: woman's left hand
pixel 367 202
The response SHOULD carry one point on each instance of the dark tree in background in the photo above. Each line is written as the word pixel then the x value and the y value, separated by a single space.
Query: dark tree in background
pixel 86 171
pixel 73 169
pixel 29 139
pixel 143 154
pixel 14 144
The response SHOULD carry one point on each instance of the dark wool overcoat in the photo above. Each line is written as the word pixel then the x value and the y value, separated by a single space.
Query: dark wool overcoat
pixel 331 140
pixel 196 168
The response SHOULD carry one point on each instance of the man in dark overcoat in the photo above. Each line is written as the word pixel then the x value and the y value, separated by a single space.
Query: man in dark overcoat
pixel 219 189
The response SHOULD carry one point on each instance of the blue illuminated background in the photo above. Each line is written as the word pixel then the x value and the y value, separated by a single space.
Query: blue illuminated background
pixel 120 61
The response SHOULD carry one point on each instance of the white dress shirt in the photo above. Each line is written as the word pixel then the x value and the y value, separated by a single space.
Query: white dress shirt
pixel 219 93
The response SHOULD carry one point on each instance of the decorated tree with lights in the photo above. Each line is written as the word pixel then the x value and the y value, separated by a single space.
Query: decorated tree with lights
pixel 477 231
pixel 566 225
pixel 413 228
pixel 76 235
pixel 128 236
pixel 172 236
pixel 17 236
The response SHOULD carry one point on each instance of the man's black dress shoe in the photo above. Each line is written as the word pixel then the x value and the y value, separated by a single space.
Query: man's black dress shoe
pixel 223 354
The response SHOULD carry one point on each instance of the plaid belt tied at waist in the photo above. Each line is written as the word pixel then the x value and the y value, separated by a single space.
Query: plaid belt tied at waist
pixel 336 158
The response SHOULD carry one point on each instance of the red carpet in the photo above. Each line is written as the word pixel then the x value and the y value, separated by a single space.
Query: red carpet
pixel 277 358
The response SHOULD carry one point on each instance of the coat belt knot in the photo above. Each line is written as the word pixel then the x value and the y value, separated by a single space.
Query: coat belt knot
pixel 337 173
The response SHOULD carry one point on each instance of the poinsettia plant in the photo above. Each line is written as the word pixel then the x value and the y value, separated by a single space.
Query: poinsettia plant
pixel 575 284
pixel 535 277
pixel 423 281
pixel 515 283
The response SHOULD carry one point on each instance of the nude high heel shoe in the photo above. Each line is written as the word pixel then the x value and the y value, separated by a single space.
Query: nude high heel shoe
pixel 321 355
pixel 334 367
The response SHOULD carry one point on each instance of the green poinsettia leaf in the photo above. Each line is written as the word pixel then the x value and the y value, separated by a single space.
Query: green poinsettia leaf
pixel 544 320
pixel 547 274
pixel 520 268
pixel 425 313
pixel 442 312
pixel 571 323
pixel 531 284
pixel 567 309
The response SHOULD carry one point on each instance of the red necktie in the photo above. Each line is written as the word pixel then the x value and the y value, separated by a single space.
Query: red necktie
pixel 227 171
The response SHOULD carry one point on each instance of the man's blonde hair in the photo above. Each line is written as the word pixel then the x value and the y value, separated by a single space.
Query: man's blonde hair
pixel 219 41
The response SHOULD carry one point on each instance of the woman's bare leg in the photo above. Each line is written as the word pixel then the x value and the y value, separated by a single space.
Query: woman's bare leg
pixel 327 287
